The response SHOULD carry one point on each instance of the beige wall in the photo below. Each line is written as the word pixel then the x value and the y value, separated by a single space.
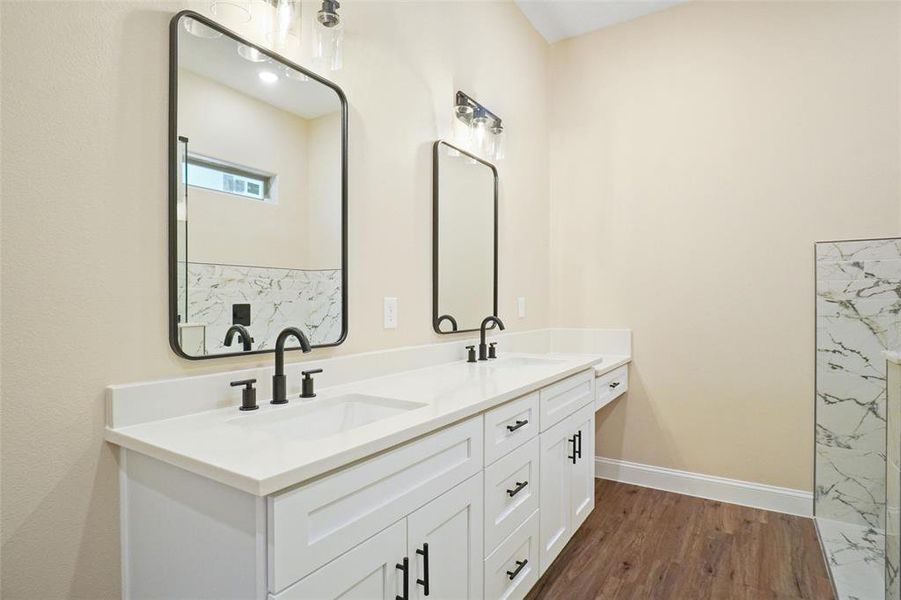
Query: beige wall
pixel 84 88
pixel 222 123
pixel 695 156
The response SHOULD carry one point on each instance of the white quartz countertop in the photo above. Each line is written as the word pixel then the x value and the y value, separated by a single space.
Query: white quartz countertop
pixel 219 445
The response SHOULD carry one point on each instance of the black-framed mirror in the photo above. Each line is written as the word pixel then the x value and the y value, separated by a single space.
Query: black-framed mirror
pixel 257 196
pixel 464 239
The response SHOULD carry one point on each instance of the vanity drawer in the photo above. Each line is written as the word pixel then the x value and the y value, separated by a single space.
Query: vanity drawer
pixel 522 545
pixel 312 524
pixel 563 398
pixel 509 426
pixel 516 474
pixel 611 386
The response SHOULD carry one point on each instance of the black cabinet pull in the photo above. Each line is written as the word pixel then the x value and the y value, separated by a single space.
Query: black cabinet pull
pixel 519 486
pixel 519 424
pixel 405 568
pixel 520 565
pixel 579 447
pixel 572 441
pixel 424 582
pixel 613 385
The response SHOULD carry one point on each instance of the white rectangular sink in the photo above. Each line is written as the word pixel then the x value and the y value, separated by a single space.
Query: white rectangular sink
pixel 317 419
pixel 524 361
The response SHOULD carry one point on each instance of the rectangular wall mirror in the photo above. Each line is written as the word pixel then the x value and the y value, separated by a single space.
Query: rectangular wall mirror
pixel 258 196
pixel 464 252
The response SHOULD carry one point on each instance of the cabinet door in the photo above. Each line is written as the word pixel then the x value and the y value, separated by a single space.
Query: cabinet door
pixel 582 478
pixel 367 572
pixel 555 470
pixel 446 533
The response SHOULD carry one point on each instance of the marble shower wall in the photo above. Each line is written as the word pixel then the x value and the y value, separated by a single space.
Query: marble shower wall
pixel 278 298
pixel 858 316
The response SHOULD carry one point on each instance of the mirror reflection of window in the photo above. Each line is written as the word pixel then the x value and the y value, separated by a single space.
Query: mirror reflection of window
pixel 465 208
pixel 260 224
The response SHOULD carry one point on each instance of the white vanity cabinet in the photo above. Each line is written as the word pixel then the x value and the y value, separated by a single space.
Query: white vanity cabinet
pixel 436 551
pixel 476 509
pixel 567 481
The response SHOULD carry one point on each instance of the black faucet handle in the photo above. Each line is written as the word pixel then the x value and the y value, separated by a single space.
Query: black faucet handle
pixel 492 351
pixel 248 394
pixel 306 385
pixel 472 354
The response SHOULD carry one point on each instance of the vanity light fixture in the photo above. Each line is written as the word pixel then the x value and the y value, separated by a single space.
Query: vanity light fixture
pixel 198 29
pixel 268 77
pixel 252 54
pixel 328 36
pixel 478 129
pixel 283 30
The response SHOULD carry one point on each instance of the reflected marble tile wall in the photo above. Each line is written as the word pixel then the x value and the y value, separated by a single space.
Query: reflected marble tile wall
pixel 278 298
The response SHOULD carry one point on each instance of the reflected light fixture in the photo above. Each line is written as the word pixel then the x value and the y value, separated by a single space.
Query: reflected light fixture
pixel 477 129
pixel 252 54
pixel 328 36
pixel 268 77
pixel 198 29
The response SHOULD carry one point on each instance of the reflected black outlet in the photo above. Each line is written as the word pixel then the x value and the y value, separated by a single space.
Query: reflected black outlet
pixel 241 314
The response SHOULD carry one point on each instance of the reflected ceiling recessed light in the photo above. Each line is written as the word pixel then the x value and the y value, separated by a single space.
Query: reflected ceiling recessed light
pixel 268 77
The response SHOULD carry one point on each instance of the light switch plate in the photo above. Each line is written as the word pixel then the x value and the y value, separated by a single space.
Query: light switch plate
pixel 521 307
pixel 390 313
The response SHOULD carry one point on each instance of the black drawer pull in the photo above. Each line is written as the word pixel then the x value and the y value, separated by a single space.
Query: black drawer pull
pixel 614 385
pixel 579 446
pixel 572 441
pixel 405 567
pixel 424 582
pixel 519 424
pixel 520 565
pixel 519 486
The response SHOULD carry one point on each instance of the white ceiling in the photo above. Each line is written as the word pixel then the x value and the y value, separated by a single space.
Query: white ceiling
pixel 560 19
pixel 218 59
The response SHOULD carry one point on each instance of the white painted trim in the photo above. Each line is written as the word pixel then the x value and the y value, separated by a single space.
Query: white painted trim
pixel 733 491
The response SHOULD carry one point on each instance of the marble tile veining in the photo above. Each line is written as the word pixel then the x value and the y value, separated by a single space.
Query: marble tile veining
pixel 278 298
pixel 855 557
pixel 858 317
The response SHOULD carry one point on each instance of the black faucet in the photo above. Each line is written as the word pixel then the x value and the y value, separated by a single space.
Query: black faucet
pixel 279 381
pixel 242 332
pixel 483 347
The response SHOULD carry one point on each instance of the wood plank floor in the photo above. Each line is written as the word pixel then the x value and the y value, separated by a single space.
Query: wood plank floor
pixel 646 544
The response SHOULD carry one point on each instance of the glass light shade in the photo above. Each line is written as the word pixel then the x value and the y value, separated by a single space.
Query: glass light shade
pixel 232 11
pixel 198 29
pixel 462 130
pixel 498 138
pixel 252 54
pixel 328 45
pixel 481 136
pixel 282 29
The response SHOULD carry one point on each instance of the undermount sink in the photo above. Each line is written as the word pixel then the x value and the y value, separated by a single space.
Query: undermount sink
pixel 322 418
pixel 524 361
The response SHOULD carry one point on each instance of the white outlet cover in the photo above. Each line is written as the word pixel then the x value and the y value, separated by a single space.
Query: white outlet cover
pixel 390 313
pixel 521 307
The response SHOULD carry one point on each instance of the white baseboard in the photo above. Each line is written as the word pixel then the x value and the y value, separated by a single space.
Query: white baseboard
pixel 733 491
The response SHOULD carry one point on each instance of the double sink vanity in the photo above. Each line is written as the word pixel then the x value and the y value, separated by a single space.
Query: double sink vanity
pixel 427 472
pixel 454 480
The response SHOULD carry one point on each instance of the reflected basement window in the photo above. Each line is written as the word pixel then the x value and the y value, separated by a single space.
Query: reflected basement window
pixel 229 178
